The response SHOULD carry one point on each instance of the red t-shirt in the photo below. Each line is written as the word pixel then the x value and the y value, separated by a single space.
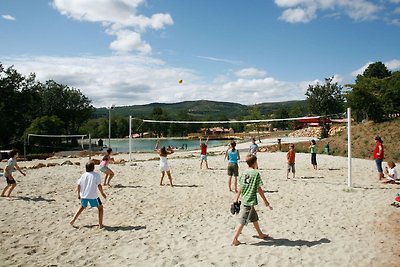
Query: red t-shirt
pixel 203 149
pixel 290 156
pixel 376 151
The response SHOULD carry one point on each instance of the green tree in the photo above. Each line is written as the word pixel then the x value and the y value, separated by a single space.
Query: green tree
pixel 18 105
pixel 46 125
pixel 325 99
pixel 365 99
pixel 69 104
pixel 375 94
pixel 376 70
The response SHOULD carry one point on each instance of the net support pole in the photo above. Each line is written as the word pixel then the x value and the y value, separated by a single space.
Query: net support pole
pixel 348 147
pixel 130 138
pixel 90 146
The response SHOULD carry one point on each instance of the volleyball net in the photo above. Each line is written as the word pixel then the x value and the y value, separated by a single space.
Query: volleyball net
pixel 298 119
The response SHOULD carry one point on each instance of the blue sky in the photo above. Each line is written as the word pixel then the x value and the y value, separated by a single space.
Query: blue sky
pixel 127 52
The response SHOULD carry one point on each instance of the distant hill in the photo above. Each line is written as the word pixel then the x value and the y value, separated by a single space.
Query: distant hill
pixel 201 109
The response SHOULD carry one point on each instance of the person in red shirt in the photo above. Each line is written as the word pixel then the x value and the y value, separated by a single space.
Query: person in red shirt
pixel 203 153
pixel 378 156
pixel 290 156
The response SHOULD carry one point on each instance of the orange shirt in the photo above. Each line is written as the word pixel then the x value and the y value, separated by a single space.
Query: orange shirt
pixel 291 156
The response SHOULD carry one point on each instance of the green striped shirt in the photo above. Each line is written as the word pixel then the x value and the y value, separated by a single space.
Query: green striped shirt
pixel 249 182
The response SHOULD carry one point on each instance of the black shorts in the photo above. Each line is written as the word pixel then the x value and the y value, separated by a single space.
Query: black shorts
pixel 314 158
pixel 10 180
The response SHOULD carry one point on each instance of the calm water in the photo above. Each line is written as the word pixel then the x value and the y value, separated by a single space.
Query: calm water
pixel 147 145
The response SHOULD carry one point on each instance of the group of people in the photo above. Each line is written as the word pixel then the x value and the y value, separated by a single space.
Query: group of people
pixel 250 182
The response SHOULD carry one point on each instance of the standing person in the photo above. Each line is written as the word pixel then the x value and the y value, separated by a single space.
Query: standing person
pixel 109 174
pixel 164 166
pixel 313 150
pixel 88 184
pixel 391 173
pixel 253 147
pixel 203 153
pixel 290 157
pixel 233 168
pixel 250 184
pixel 378 156
pixel 10 167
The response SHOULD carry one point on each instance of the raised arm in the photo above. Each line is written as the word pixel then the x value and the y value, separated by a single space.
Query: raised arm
pixel 207 141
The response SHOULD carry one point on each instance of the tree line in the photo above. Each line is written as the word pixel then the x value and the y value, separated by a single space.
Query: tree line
pixel 29 106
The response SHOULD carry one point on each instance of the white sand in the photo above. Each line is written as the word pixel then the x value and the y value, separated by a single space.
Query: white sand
pixel 316 220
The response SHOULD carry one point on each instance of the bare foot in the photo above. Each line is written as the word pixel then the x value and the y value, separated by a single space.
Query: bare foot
pixel 263 236
pixel 236 243
pixel 101 226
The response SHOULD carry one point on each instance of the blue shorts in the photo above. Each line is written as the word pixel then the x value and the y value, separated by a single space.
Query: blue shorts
pixel 94 202
pixel 203 157
pixel 379 165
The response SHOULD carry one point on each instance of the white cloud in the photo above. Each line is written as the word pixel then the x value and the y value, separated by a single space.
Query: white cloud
pixel 303 11
pixel 229 61
pixel 296 15
pixel 119 17
pixel 250 72
pixel 130 80
pixel 8 17
pixel 393 65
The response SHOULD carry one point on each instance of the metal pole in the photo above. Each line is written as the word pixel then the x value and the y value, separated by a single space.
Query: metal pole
pixel 109 127
pixel 90 146
pixel 348 147
pixel 130 138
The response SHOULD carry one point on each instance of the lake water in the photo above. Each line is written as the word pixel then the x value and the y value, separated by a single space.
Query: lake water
pixel 147 145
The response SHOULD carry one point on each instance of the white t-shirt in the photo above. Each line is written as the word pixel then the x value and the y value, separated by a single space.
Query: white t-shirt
pixel 89 182
pixel 392 174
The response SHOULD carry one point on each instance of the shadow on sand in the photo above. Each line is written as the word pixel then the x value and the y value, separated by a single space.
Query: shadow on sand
pixel 291 243
pixel 39 198
pixel 124 228
pixel 117 228
pixel 127 186
pixel 187 185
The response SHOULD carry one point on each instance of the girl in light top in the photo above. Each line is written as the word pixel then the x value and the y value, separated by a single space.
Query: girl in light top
pixel 233 168
pixel 164 167
pixel 391 173
pixel 105 169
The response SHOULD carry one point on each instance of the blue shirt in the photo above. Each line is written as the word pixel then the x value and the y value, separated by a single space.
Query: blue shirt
pixel 232 156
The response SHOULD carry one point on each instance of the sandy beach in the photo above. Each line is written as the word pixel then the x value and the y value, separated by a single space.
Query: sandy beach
pixel 317 220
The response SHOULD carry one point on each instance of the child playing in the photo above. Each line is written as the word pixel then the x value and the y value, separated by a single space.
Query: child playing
pixel 203 153
pixel 250 184
pixel 164 167
pixel 88 184
pixel 391 173
pixel 10 167
pixel 233 168
pixel 253 149
pixel 290 156
pixel 105 169
pixel 313 150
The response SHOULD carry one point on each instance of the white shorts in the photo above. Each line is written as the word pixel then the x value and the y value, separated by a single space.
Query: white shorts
pixel 164 167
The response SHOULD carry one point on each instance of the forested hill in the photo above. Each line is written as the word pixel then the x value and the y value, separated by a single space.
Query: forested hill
pixel 203 109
